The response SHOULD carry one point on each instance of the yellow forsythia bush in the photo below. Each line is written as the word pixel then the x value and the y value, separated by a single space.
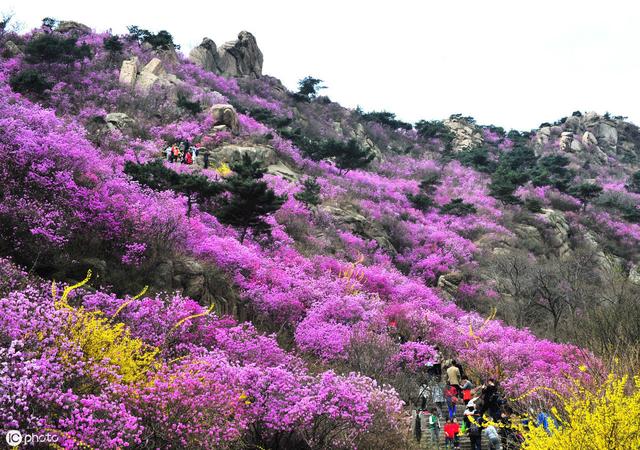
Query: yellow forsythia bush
pixel 605 419
pixel 100 340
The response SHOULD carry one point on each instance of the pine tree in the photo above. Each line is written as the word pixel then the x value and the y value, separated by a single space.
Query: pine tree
pixel 310 195
pixel 586 192
pixel 155 175
pixel 351 155
pixel 457 207
pixel 249 199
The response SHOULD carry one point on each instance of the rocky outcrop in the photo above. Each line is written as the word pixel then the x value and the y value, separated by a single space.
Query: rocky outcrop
pixel 11 49
pixel 232 153
pixel 206 56
pixel 559 236
pixel 466 135
pixel 225 115
pixel 204 283
pixel 153 74
pixel 360 225
pixel 118 121
pixel 239 58
pixel 592 138
pixel 75 28
pixel 449 282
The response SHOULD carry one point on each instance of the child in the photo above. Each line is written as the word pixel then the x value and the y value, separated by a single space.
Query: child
pixel 433 425
pixel 451 431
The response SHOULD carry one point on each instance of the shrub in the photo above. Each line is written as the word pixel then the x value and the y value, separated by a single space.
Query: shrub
pixel 29 80
pixel 435 129
pixel 533 204
pixel 608 417
pixel 183 102
pixel 113 44
pixel 457 207
pixel 53 48
pixel 478 158
pixel 310 195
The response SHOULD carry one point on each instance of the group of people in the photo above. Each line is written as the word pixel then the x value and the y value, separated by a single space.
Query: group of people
pixel 182 153
pixel 458 389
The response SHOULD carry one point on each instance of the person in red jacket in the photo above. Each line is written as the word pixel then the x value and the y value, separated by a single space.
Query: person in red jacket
pixel 451 431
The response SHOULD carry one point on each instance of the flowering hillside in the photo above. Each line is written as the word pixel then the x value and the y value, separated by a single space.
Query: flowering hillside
pixel 311 325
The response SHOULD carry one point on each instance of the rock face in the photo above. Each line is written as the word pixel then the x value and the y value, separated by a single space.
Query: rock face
pixel 239 58
pixel 559 236
pixel 229 154
pixel 226 115
pixel 11 49
pixel 360 225
pixel 466 135
pixel 206 56
pixel 592 138
pixel 118 120
pixel 75 28
pixel 203 283
pixel 150 76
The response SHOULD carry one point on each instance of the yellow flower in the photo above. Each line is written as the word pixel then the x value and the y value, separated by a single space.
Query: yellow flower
pixel 223 169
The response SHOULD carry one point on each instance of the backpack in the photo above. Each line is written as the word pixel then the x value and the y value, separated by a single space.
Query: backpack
pixel 474 430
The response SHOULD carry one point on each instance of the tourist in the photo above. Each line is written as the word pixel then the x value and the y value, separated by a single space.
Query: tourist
pixel 451 431
pixel 475 433
pixel 493 437
pixel 466 386
pixel 453 375
pixel 433 425
pixel 451 396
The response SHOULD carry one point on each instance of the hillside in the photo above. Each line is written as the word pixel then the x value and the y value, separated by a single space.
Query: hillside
pixel 310 324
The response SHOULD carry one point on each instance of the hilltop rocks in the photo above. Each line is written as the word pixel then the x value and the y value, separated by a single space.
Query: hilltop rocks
pixel 466 135
pixel 224 114
pixel 129 71
pixel 205 55
pixel 151 75
pixel 607 134
pixel 239 58
pixel 75 28
pixel 593 138
pixel 566 137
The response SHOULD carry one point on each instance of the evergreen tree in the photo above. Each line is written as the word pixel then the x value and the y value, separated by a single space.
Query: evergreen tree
pixel 310 195
pixel 552 171
pixel 308 88
pixel 423 200
pixel 457 207
pixel 586 192
pixel 155 175
pixel 54 48
pixel 351 155
pixel 249 199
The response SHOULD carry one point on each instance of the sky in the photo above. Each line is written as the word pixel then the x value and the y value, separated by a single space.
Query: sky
pixel 511 63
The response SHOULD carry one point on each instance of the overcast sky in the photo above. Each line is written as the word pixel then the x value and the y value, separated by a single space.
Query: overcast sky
pixel 511 63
